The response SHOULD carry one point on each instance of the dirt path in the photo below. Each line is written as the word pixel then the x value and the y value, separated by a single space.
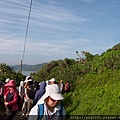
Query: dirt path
pixel 18 116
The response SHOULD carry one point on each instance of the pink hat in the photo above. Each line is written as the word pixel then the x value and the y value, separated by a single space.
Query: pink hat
pixel 11 84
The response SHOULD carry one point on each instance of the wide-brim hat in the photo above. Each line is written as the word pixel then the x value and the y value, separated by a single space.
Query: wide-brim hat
pixel 27 80
pixel 28 77
pixel 53 91
pixel 52 80
pixel 11 83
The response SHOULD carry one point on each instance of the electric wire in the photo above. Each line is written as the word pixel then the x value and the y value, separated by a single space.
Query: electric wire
pixel 27 31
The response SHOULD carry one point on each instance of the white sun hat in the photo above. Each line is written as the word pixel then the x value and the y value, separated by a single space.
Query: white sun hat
pixel 7 80
pixel 27 79
pixel 52 80
pixel 53 91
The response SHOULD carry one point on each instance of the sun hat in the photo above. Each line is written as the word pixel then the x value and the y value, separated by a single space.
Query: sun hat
pixel 7 80
pixel 53 91
pixel 52 80
pixel 27 79
pixel 11 83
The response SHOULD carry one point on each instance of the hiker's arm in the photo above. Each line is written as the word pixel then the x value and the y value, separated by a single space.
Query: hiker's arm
pixel 5 96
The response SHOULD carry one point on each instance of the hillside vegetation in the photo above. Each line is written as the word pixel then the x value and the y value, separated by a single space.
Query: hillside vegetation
pixel 95 81
pixel 7 72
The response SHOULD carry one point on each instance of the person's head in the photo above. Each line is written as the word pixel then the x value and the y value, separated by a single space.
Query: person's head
pixel 52 81
pixel 7 80
pixel 42 84
pixel 52 96
pixel 68 82
pixel 51 103
pixel 28 80
pixel 61 81
pixel 11 85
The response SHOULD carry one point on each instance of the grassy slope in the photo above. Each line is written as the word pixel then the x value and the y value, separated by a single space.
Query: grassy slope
pixel 95 95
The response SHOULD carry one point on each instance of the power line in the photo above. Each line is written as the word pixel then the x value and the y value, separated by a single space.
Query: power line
pixel 27 30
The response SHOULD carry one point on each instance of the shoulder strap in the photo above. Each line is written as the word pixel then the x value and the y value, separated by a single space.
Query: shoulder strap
pixel 61 110
pixel 40 111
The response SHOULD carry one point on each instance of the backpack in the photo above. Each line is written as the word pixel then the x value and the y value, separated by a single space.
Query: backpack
pixel 31 92
pixel 36 85
pixel 41 111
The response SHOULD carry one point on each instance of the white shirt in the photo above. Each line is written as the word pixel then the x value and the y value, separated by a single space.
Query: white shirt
pixel 48 115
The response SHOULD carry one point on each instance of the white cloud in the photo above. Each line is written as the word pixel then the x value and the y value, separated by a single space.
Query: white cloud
pixel 56 28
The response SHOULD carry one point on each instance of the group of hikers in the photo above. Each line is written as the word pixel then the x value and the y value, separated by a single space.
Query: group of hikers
pixel 37 101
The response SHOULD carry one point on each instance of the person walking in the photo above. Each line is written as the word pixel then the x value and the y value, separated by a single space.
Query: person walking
pixel 67 87
pixel 49 106
pixel 39 92
pixel 5 87
pixel 21 94
pixel 52 81
pixel 11 99
pixel 1 92
pixel 26 104
pixel 61 86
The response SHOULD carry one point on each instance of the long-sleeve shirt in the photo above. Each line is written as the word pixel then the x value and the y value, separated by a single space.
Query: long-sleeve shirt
pixel 55 115
pixel 14 102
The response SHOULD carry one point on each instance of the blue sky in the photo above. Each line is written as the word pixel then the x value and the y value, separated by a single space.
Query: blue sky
pixel 57 29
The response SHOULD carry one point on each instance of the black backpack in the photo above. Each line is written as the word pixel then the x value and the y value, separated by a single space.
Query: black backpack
pixel 31 92
pixel 36 85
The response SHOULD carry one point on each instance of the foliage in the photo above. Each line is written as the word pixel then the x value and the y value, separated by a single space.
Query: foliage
pixel 95 95
pixel 94 82
pixel 7 72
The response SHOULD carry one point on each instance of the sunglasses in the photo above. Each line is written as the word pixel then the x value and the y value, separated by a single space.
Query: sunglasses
pixel 53 99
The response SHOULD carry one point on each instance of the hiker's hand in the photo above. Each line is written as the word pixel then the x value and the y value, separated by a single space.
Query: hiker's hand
pixel 27 87
pixel 6 103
